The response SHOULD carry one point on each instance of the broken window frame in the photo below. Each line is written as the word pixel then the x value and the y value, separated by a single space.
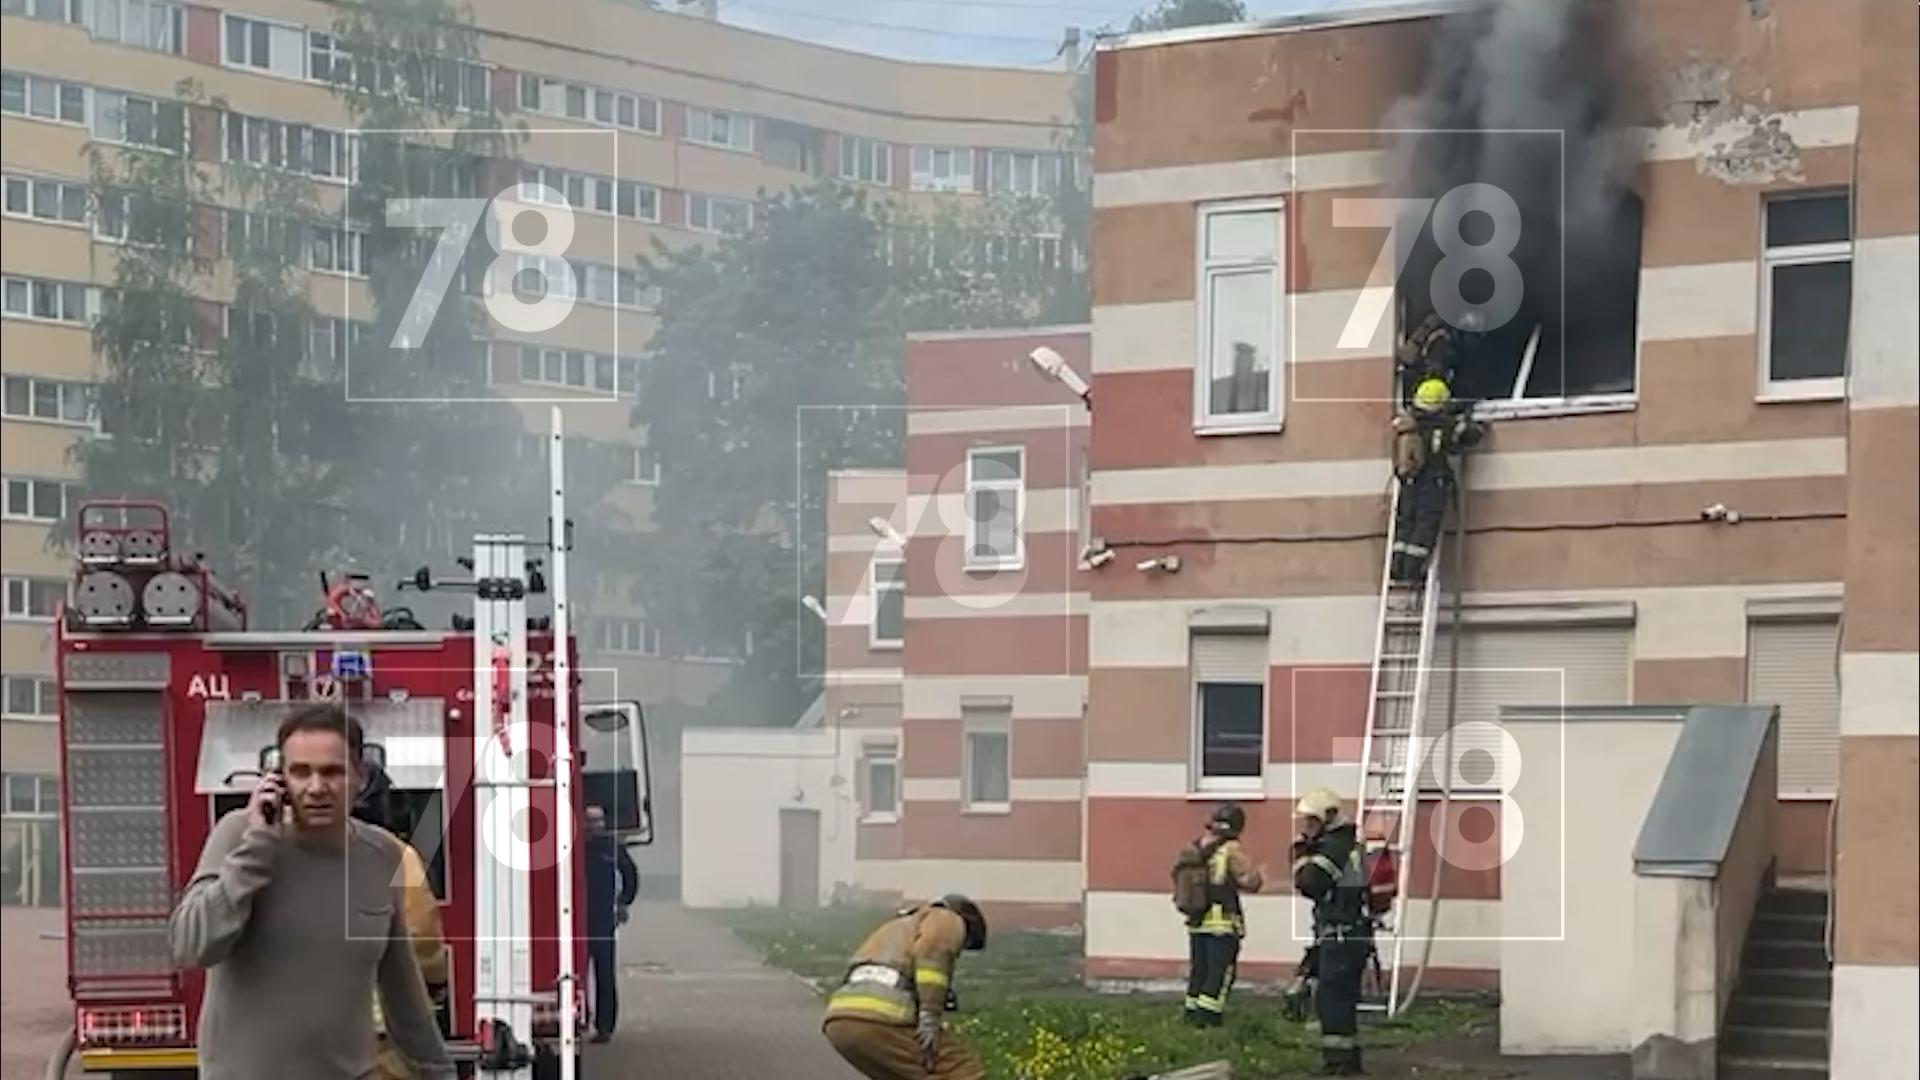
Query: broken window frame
pixel 1776 257
pixel 1273 417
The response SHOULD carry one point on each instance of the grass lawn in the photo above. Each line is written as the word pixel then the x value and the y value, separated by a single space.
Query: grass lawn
pixel 1024 1008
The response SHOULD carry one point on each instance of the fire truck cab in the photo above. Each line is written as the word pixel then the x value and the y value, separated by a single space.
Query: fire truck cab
pixel 169 703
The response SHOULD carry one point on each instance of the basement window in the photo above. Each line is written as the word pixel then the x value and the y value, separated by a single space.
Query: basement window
pixel 1806 290
pixel 1549 357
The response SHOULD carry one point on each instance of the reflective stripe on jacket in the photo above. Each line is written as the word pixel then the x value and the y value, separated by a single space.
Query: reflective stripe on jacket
pixel 1228 874
pixel 904 968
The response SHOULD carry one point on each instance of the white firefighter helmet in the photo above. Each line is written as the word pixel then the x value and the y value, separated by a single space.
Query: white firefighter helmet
pixel 1322 803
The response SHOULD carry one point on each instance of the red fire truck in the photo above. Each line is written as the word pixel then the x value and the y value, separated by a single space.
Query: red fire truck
pixel 169 705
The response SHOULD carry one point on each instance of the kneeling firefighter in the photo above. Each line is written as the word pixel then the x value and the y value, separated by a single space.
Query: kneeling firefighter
pixel 885 1018
pixel 1328 869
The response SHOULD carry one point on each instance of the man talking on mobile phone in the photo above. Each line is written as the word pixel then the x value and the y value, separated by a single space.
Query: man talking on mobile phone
pixel 295 911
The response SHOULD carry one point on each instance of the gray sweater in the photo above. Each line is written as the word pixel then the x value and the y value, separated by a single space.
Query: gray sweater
pixel 295 938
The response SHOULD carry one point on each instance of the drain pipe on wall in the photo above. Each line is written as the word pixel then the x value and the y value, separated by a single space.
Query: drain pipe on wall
pixel 1458 555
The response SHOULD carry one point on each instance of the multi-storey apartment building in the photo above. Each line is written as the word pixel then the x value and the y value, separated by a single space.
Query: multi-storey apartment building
pixel 655 126
pixel 1765 365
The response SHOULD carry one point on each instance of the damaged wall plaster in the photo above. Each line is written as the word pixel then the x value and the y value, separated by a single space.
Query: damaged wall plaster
pixel 1735 141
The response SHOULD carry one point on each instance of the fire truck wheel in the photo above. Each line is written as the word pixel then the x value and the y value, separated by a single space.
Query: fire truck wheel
pixel 546 1064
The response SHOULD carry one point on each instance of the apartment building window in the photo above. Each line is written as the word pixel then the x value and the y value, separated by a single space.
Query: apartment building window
pixel 29 499
pixel 42 98
pixel 995 497
pixel 643 467
pixel 329 342
pixel 1237 381
pixel 328 62
pixel 264 46
pixel 880 783
pixel 338 251
pixel 598 194
pixel 31 794
pixel 251 235
pixel 715 128
pixel 1022 173
pixel 888 585
pixel 1790 664
pixel 31 697
pixel 1229 710
pixel 44 299
pixel 34 599
pixel 869 161
pixel 942 168
pixel 986 761
pixel 28 398
pixel 612 286
pixel 45 199
pixel 631 111
pixel 140 24
pixel 726 386
pixel 139 121
pixel 790 146
pixel 570 368
pixel 130 218
pixel 628 636
pixel 1806 291
pixel 719 214
pixel 65 11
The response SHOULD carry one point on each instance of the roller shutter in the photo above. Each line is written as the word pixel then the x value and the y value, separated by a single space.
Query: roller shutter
pixel 1230 658
pixel 1790 664
pixel 1509 665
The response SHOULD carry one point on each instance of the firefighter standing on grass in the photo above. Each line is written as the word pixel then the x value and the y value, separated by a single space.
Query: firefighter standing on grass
pixel 1213 937
pixel 885 1018
pixel 1328 869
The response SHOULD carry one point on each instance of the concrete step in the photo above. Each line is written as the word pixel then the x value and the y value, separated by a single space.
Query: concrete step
pixel 1791 983
pixel 1792 902
pixel 1746 1067
pixel 1755 1010
pixel 1805 1044
pixel 1787 955
pixel 1788 928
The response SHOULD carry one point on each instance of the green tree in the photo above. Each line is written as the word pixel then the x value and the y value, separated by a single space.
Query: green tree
pixel 1178 14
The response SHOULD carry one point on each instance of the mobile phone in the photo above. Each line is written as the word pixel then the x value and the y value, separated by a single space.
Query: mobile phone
pixel 270 766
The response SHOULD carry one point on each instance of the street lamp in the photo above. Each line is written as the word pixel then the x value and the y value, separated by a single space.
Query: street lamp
pixel 1054 366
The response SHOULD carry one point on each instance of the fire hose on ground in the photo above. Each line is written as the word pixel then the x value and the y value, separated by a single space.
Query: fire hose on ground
pixel 62 1055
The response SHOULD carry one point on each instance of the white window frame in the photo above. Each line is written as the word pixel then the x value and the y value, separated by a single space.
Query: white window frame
pixel 171 17
pixel 1772 258
pixel 638 475
pixel 60 88
pixel 925 177
pixel 46 693
pixel 347 248
pixel 1018 560
pixel 100 107
pixel 1273 419
pixel 700 208
pixel 31 185
pixel 279 35
pixel 89 303
pixel 11 510
pixel 70 11
pixel 875 586
pixel 1000 163
pixel 875 755
pixel 702 123
pixel 21 585
pixel 1197 747
pixel 42 783
pixel 63 389
pixel 875 154
pixel 984 720
pixel 644 641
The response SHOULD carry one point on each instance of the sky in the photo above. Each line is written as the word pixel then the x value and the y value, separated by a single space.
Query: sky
pixel 1020 33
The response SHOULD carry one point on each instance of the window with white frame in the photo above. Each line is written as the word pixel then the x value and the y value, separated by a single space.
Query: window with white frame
pixel 154 25
pixel 643 467
pixel 32 499
pixel 731 130
pixel 45 199
pixel 330 340
pixel 253 235
pixel 869 161
pixel 942 168
pixel 44 299
pixel 264 46
pixel 1229 710
pixel 62 11
pixel 996 495
pixel 125 217
pixel 42 98
pixel 31 697
pixel 880 782
pixel 729 385
pixel 719 214
pixel 1023 172
pixel 593 104
pixel 1237 380
pixel 986 761
pixel 1806 292
pixel 139 121
pixel 581 191
pixel 888 585
pixel 53 400
pixel 338 251
pixel 32 598
pixel 576 370
pixel 31 794
pixel 628 636
pixel 329 61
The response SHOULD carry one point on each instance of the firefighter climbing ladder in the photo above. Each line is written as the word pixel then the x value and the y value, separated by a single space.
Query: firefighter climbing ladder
pixel 1393 749
pixel 503 787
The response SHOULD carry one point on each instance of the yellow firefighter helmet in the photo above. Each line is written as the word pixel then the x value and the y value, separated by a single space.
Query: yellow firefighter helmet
pixel 1432 394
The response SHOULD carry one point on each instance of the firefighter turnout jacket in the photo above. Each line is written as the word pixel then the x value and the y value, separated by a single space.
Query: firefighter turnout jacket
pixel 1329 871
pixel 903 970
pixel 1229 873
